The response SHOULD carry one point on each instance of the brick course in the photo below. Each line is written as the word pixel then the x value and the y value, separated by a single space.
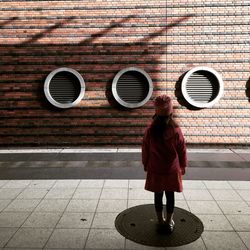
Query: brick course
pixel 99 38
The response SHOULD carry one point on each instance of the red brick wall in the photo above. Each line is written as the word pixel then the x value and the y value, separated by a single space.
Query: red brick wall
pixel 99 38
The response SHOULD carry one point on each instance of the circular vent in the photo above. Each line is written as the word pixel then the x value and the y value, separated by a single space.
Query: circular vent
pixel 132 87
pixel 202 87
pixel 64 87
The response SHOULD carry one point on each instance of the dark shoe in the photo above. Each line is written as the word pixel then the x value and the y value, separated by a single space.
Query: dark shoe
pixel 171 227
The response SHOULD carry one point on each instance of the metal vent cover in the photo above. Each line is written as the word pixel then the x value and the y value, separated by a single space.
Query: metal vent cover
pixel 132 87
pixel 64 87
pixel 202 87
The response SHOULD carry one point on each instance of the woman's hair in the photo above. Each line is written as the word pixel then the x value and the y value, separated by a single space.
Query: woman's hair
pixel 161 123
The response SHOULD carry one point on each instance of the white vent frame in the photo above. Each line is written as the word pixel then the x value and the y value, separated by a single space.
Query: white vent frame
pixel 52 100
pixel 200 104
pixel 126 104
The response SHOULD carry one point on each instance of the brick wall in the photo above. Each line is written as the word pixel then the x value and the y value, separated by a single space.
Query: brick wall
pixel 99 38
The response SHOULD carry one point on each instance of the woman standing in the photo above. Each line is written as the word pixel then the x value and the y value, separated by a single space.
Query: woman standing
pixel 164 158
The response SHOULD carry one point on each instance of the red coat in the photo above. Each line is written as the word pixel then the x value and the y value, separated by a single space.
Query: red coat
pixel 163 160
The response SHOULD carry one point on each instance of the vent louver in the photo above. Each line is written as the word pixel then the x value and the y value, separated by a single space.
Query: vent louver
pixel 132 87
pixel 202 87
pixel 64 88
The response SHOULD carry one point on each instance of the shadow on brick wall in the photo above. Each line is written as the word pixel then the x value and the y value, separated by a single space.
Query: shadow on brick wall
pixel 180 98
pixel 248 89
pixel 24 67
pixel 144 49
pixel 35 58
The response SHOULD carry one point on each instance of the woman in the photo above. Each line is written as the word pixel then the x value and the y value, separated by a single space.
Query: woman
pixel 164 158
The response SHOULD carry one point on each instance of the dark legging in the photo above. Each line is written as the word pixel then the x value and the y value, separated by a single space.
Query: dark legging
pixel 170 202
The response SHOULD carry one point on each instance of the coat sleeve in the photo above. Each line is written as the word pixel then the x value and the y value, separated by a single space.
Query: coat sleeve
pixel 181 149
pixel 145 149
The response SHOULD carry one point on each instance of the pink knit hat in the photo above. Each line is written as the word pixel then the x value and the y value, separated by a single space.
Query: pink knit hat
pixel 163 105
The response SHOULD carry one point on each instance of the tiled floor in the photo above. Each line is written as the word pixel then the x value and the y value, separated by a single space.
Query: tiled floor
pixel 80 214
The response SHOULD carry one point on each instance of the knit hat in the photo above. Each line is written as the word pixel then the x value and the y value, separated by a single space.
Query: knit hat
pixel 163 105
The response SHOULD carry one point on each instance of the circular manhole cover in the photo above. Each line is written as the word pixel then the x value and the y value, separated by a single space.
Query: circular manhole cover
pixel 139 224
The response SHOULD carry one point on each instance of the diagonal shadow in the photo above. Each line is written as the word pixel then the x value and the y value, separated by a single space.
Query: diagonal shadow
pixel 27 64
pixel 105 31
pixel 47 31
pixel 2 24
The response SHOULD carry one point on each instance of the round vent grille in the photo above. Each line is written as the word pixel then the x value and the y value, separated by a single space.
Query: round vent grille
pixel 202 87
pixel 64 87
pixel 132 87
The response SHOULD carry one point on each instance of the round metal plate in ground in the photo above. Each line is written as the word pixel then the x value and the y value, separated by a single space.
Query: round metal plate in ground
pixel 139 224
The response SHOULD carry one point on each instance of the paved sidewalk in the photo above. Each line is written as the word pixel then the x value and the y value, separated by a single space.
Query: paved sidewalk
pixel 69 198
pixel 80 214
pixel 208 164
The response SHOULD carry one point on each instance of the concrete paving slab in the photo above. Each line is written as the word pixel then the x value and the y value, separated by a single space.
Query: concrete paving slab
pixel 105 239
pixel 217 185
pixel 3 183
pixel 6 234
pixel 60 193
pixel 140 194
pixel 225 195
pixel 197 195
pixel 197 245
pixel 87 193
pixel 114 193
pixel 116 184
pixel 240 184
pixel 136 183
pixel 188 184
pixel 42 184
pixel 245 236
pixel 234 207
pixel 22 205
pixel 75 220
pixel 54 205
pixel 215 222
pixel 182 204
pixel 17 184
pixel 104 220
pixel 245 194
pixel 30 238
pixel 4 204
pixel 223 241
pixel 130 245
pixel 9 193
pixel 204 207
pixel 91 184
pixel 240 222
pixel 66 183
pixel 111 206
pixel 67 238
pixel 32 194
pixel 82 206
pixel 42 219
pixel 133 203
pixel 13 219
